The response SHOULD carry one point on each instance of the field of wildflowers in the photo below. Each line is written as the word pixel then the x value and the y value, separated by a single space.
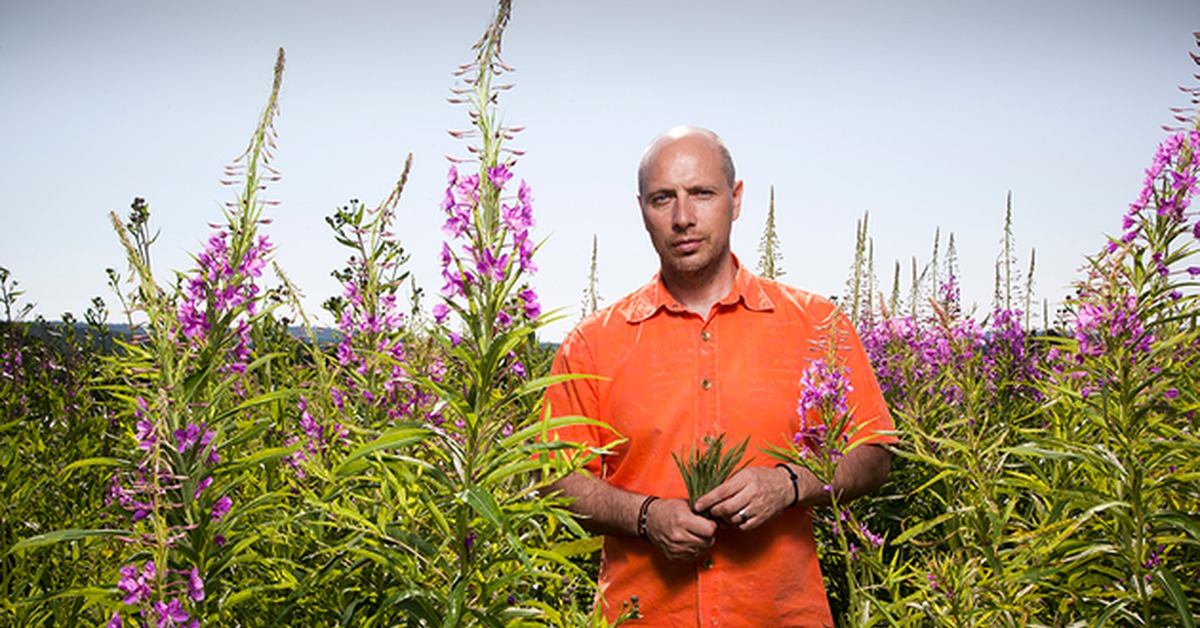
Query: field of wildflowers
pixel 211 468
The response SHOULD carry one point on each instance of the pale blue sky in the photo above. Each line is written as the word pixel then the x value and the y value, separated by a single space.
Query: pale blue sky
pixel 925 113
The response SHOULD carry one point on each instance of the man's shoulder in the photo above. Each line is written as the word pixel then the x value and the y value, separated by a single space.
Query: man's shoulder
pixel 787 296
pixel 616 313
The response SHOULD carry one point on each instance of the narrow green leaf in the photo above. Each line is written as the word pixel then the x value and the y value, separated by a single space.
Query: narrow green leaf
pixel 92 462
pixel 61 536
pixel 579 547
pixel 1182 607
pixel 482 502
pixel 396 437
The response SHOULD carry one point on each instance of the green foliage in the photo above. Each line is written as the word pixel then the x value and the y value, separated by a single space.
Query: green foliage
pixel 55 431
pixel 705 470
pixel 395 476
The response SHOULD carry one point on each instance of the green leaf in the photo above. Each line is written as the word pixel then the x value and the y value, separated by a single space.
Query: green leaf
pixel 396 437
pixel 259 457
pixel 925 526
pixel 61 536
pixel 1178 598
pixel 482 502
pixel 92 462
pixel 579 547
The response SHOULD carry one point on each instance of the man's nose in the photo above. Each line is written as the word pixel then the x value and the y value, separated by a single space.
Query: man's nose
pixel 684 214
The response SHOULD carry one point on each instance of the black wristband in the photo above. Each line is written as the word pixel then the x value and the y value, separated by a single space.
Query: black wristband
pixel 642 515
pixel 795 483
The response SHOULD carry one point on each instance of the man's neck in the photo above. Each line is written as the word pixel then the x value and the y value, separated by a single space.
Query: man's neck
pixel 700 291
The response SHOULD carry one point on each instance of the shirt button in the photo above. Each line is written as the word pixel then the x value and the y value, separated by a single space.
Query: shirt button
pixel 704 335
pixel 706 383
pixel 708 563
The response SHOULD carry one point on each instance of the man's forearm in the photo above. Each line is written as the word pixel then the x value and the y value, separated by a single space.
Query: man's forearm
pixel 600 507
pixel 861 471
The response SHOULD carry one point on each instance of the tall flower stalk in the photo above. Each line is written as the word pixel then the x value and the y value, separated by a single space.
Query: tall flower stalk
pixel 188 390
pixel 1129 368
pixel 462 531
pixel 824 436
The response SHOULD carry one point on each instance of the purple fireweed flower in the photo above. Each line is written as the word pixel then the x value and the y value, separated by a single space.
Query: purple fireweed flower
pixel 517 367
pixel 206 437
pixel 440 312
pixel 141 510
pixel 195 585
pixel 1116 318
pixel 220 508
pixel 296 459
pixel 134 584
pixel 187 437
pixel 499 175
pixel 529 301
pixel 1170 183
pixel 201 485
pixel 488 264
pixel 823 389
pixel 456 224
pixel 145 435
pixel 115 621
pixel 220 283
pixel 170 613
pixel 874 539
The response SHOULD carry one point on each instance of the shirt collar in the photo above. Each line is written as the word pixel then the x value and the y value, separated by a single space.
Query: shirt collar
pixel 652 297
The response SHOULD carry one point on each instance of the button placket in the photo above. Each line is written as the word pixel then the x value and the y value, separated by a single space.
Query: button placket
pixel 709 397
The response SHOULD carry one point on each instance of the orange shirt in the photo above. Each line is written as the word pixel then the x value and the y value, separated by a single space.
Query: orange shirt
pixel 673 379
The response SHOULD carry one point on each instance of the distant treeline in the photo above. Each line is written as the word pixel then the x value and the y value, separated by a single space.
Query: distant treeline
pixel 103 337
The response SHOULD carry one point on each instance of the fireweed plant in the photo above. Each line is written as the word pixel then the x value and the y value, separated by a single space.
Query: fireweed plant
pixel 433 506
pixel 190 407
pixel 823 438
pixel 1124 415
pixel 1049 478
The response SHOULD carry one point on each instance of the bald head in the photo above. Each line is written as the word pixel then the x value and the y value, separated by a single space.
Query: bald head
pixel 676 133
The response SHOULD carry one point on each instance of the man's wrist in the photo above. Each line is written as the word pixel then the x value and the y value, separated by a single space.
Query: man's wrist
pixel 644 516
pixel 795 483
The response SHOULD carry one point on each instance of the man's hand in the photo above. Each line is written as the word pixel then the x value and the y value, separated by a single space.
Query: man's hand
pixel 602 508
pixel 750 498
pixel 756 494
pixel 676 531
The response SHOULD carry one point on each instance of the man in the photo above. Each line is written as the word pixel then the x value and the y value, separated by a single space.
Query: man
pixel 706 349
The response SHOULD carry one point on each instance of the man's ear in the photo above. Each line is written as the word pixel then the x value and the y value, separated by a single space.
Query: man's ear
pixel 737 200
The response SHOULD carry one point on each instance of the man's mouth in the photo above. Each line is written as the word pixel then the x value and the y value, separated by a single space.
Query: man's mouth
pixel 686 245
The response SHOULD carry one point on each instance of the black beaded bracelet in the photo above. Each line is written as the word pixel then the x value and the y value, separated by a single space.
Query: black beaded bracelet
pixel 643 513
pixel 795 483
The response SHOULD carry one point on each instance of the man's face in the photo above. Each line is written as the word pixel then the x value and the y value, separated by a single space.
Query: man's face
pixel 688 206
